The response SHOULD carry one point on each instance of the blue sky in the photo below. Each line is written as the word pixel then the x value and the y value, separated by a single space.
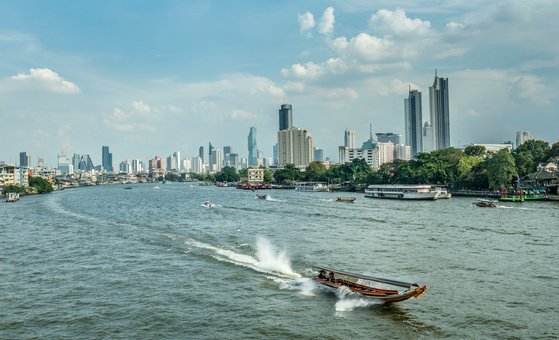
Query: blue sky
pixel 153 77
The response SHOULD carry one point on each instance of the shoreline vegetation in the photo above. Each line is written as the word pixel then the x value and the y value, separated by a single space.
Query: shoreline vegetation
pixel 470 172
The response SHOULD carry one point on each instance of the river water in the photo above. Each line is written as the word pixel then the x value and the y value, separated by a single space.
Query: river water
pixel 104 262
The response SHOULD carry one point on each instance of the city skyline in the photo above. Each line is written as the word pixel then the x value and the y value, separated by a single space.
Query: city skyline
pixel 99 76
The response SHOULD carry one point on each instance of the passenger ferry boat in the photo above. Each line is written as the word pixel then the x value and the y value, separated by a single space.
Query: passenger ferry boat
pixel 311 186
pixel 402 191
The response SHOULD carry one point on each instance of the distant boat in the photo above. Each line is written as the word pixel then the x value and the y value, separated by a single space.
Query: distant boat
pixel 401 191
pixel 262 197
pixel 311 186
pixel 12 197
pixel 378 289
pixel 346 199
pixel 127 188
pixel 208 204
pixel 485 203
pixel 156 187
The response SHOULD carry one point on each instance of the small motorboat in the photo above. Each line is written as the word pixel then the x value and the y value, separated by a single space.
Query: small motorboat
pixel 127 188
pixel 208 204
pixel 378 289
pixel 484 203
pixel 262 197
pixel 346 199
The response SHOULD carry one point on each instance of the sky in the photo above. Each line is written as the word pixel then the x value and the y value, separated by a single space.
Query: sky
pixel 150 78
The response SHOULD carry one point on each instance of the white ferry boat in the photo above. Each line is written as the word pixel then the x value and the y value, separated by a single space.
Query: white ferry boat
pixel 402 191
pixel 311 186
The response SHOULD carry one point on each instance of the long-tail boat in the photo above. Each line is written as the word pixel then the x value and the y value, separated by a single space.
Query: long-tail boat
pixel 379 289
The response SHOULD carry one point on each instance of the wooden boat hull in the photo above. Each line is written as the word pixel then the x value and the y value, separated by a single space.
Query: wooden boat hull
pixel 380 295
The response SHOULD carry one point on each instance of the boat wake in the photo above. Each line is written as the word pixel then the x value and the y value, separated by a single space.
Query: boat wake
pixel 349 300
pixel 268 259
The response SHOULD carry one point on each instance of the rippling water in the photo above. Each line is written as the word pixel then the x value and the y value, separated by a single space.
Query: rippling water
pixel 153 263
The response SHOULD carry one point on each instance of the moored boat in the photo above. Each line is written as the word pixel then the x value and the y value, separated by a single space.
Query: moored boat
pixel 402 191
pixel 346 199
pixel 311 186
pixel 12 197
pixel 378 289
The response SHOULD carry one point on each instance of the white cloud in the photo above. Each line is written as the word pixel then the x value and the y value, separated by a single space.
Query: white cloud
pixel 39 79
pixel 140 117
pixel 242 115
pixel 398 24
pixel 306 22
pixel 309 70
pixel 326 23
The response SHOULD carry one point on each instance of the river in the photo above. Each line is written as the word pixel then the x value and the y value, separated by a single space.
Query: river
pixel 104 262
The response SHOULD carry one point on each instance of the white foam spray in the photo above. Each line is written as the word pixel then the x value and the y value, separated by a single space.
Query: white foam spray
pixel 273 259
pixel 348 300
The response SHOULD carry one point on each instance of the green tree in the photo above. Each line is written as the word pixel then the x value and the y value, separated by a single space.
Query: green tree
pixel 13 188
pixel 553 152
pixel 268 177
pixel 289 173
pixel 41 185
pixel 243 173
pixel 475 150
pixel 315 171
pixel 528 155
pixel 465 170
pixel 501 169
pixel 228 174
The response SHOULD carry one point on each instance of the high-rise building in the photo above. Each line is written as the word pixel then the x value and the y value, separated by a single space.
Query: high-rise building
pixel 295 146
pixel 197 165
pixel 107 159
pixel 85 164
pixel 234 160
pixel 137 166
pixel 64 165
pixel 216 160
pixel 414 122
pixel 275 154
pixel 318 154
pixel 76 161
pixel 350 139
pixel 285 117
pixel 24 159
pixel 522 137
pixel 41 162
pixel 252 148
pixel 211 150
pixel 385 137
pixel 438 105
pixel 201 153
pixel 125 167
pixel 428 140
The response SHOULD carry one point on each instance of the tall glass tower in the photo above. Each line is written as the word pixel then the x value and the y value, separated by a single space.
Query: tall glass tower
pixel 438 104
pixel 285 117
pixel 107 159
pixel 252 148
pixel 414 122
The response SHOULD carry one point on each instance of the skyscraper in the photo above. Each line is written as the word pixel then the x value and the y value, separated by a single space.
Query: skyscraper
pixel 275 154
pixel 385 137
pixel 201 153
pixel 211 150
pixel 24 159
pixel 438 105
pixel 318 155
pixel 295 146
pixel 350 139
pixel 252 148
pixel 285 117
pixel 428 137
pixel 107 159
pixel 522 137
pixel 414 122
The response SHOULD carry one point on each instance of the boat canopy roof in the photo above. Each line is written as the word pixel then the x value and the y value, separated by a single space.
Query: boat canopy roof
pixel 366 277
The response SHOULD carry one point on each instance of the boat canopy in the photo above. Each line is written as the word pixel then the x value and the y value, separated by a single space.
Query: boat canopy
pixel 366 277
